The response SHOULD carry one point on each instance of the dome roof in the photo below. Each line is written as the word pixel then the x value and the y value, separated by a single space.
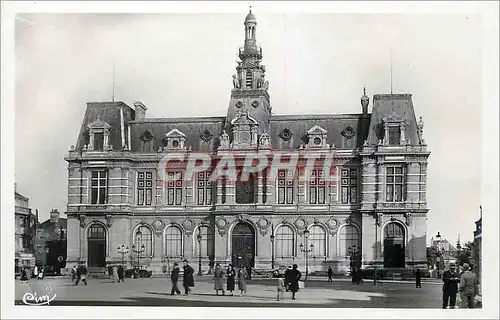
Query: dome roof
pixel 250 18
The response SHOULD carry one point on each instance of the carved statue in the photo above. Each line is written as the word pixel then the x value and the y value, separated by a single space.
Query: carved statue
pixel 236 83
pixel 266 85
pixel 224 139
pixel 420 126
pixel 265 140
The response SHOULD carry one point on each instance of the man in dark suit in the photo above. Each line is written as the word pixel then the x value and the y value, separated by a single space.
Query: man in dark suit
pixel 174 276
pixel 450 287
pixel 295 276
pixel 187 279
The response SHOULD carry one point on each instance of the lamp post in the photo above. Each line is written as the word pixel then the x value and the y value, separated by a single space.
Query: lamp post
pixel 353 257
pixel 198 237
pixel 306 251
pixel 138 250
pixel 123 251
pixel 272 249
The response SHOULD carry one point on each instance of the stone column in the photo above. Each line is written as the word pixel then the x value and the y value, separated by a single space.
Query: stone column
pixel 260 188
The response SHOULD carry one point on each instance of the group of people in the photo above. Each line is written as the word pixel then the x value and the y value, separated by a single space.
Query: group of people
pixel 230 274
pixel 79 273
pixel 290 282
pixel 187 279
pixel 116 272
pixel 464 282
pixel 26 273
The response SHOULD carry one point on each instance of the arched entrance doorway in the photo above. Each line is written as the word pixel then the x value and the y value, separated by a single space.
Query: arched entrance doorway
pixel 96 241
pixel 243 245
pixel 394 246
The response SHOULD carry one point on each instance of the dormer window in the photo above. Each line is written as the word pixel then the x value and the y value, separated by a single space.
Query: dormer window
pixel 176 140
pixel 394 130
pixel 99 136
pixel 317 137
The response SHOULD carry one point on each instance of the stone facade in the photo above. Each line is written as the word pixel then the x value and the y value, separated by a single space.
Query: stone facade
pixel 25 223
pixel 372 212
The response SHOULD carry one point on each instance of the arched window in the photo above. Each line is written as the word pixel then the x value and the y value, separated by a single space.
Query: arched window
pixel 394 230
pixel 317 236
pixel 144 236
pixel 173 242
pixel 285 242
pixel 348 238
pixel 206 242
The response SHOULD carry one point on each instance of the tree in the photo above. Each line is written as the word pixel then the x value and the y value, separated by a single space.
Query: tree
pixel 465 253
pixel 432 255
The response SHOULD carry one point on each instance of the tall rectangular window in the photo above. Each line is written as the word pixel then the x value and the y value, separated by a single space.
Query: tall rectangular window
pixel 204 188
pixel 349 185
pixel 144 188
pixel 98 187
pixel 395 184
pixel 99 141
pixel 394 135
pixel 174 189
pixel 285 186
pixel 317 189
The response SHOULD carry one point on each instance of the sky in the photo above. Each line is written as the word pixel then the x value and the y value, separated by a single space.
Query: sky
pixel 181 65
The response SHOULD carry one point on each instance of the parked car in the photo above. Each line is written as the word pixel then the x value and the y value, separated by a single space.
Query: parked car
pixel 138 272
pixel 277 272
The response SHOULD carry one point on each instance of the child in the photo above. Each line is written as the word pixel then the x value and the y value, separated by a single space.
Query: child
pixel 280 288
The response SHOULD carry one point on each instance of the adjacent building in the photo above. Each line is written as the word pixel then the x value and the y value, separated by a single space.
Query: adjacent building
pixel 374 209
pixel 51 242
pixel 476 253
pixel 25 229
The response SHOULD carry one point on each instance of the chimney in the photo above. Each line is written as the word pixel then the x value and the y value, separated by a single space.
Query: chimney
pixel 140 110
pixel 54 216
pixel 15 186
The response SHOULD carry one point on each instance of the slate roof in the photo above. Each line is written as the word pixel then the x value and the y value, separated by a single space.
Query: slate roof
pixel 384 105
pixel 108 112
pixel 202 133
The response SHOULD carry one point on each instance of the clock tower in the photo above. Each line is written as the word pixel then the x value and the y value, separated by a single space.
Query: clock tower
pixel 249 96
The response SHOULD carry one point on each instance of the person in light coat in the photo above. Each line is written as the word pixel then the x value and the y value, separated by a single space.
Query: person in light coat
pixel 115 274
pixel 219 279
pixel 242 280
pixel 468 287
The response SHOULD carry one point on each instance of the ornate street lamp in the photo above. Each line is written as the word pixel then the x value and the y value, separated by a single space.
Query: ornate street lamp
pixel 306 251
pixel 138 251
pixel 123 251
pixel 272 249
pixel 198 237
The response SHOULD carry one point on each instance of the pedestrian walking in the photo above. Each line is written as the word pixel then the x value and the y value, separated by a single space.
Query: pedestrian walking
pixel 211 264
pixel 450 287
pixel 115 274
pixel 81 274
pixel 109 270
pixel 295 276
pixel 280 288
pixel 218 279
pixel 231 274
pixel 174 276
pixel 73 274
pixel 41 274
pixel 468 287
pixel 418 279
pixel 24 275
pixel 187 279
pixel 35 272
pixel 287 278
pixel 330 274
pixel 242 281
pixel 249 271
pixel 121 273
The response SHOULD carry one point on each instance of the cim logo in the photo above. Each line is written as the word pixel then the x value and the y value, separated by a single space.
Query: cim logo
pixel 33 299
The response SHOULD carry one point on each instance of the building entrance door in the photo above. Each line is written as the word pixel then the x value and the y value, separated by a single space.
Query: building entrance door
pixel 394 246
pixel 243 245
pixel 96 246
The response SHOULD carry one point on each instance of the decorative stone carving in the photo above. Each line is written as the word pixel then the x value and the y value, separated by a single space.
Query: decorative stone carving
pixel 84 147
pixel 158 227
pixel 224 140
pixel 420 129
pixel 408 216
pixel 263 225
pixel 176 140
pixel 265 141
pixel 317 137
pixel 286 134
pixel 188 226
pixel 242 217
pixel 206 136
pixel 393 219
pixel 82 220
pixel 348 132
pixel 333 226
pixel 365 143
pixel 236 82
pixel 222 225
pixel 378 218
pixel 300 224
pixel 266 85
pixel 72 148
pixel 109 220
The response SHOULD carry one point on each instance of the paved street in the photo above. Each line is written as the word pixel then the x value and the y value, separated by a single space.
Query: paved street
pixel 318 293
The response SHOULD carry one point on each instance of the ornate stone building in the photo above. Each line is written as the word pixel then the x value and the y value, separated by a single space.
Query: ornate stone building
pixel 374 212
pixel 25 229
